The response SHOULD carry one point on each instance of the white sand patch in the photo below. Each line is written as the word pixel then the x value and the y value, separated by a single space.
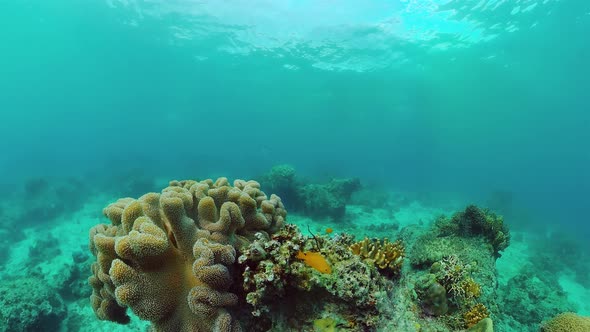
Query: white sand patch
pixel 513 259
pixel 69 235
pixel 317 227
pixel 362 221
pixel 85 320
pixel 361 216
pixel 16 265
pixel 411 214
pixel 576 293
pixel 416 213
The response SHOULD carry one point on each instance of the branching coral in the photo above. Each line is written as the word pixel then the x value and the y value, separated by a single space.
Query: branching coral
pixel 471 288
pixel 169 256
pixel 451 270
pixel 475 315
pixel 384 254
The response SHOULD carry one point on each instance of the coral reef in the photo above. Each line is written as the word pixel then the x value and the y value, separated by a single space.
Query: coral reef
pixel 30 304
pixel 203 256
pixel 169 256
pixel 567 322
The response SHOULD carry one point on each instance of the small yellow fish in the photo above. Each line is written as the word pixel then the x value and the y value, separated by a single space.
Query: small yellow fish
pixel 329 230
pixel 315 260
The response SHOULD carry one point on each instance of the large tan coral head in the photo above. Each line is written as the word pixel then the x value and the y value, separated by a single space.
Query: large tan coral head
pixel 167 256
pixel 567 322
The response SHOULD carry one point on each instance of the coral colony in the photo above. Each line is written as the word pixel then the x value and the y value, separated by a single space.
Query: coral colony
pixel 210 256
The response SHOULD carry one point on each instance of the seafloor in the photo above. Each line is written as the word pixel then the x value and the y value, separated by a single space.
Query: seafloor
pixel 46 260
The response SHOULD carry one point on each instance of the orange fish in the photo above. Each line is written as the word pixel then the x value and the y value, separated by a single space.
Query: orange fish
pixel 329 230
pixel 315 260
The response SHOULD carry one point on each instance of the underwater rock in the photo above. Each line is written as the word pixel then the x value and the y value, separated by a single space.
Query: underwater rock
pixel 432 295
pixel 484 325
pixel 74 284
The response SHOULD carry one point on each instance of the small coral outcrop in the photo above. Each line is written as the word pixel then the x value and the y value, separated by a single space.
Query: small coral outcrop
pixel 327 200
pixel 474 221
pixel 169 257
pixel 567 322
pixel 282 180
pixel 450 290
pixel 316 200
pixel 289 269
pixel 453 264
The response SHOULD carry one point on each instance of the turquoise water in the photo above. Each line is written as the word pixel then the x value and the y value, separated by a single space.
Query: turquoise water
pixel 444 100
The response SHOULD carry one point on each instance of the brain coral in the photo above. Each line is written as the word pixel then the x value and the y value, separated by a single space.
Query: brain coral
pixel 169 256
pixel 567 322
